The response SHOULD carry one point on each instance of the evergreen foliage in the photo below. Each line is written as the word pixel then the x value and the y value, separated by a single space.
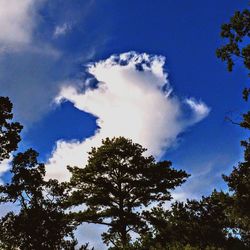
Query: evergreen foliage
pixel 117 184
pixel 199 224
pixel 237 31
pixel 9 131
pixel 41 222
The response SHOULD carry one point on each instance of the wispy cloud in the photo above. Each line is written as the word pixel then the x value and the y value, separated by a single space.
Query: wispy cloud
pixel 133 99
pixel 17 22
pixel 61 30
pixel 205 177
pixel 91 233
pixel 32 65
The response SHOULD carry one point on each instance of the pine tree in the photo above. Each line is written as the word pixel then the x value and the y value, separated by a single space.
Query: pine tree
pixel 9 131
pixel 237 32
pixel 41 222
pixel 116 185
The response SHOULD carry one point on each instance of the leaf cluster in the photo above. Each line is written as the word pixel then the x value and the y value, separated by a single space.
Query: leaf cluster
pixel 235 32
pixel 9 131
pixel 117 183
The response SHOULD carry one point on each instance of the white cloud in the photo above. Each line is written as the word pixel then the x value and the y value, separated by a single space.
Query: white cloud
pixel 133 99
pixel 199 108
pixel 61 30
pixel 17 21
pixel 30 62
pixel 91 233
pixel 4 167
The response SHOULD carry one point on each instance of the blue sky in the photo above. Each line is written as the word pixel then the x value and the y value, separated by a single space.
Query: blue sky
pixel 50 54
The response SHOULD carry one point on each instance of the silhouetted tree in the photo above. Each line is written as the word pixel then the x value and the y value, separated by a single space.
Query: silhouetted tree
pixel 9 131
pixel 199 224
pixel 117 183
pixel 41 222
pixel 239 185
pixel 237 31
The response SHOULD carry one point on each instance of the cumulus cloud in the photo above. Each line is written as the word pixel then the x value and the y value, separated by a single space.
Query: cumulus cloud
pixel 17 21
pixel 133 99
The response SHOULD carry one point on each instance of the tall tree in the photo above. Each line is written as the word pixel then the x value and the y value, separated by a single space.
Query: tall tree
pixel 117 183
pixel 41 222
pixel 237 31
pixel 9 131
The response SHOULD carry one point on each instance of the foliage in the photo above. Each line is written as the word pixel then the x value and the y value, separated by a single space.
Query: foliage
pixel 117 183
pixel 199 224
pixel 237 31
pixel 9 131
pixel 239 184
pixel 41 222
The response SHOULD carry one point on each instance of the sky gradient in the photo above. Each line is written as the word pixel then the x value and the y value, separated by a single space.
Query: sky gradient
pixel 79 71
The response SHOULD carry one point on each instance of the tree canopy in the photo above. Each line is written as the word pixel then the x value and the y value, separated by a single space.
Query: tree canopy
pixel 198 224
pixel 237 31
pixel 9 131
pixel 117 183
pixel 41 222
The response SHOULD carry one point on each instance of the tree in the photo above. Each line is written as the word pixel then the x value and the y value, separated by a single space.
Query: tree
pixel 239 184
pixel 237 31
pixel 198 224
pixel 41 222
pixel 9 131
pixel 117 183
